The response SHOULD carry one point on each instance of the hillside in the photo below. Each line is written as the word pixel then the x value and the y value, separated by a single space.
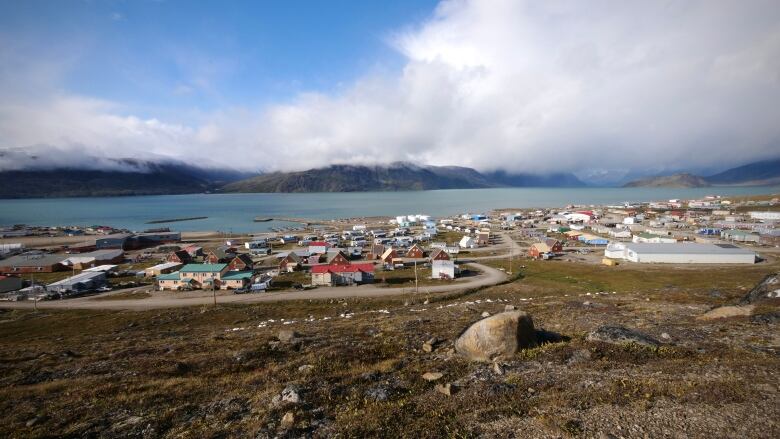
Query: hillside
pixel 398 176
pixel 674 181
pixel 766 172
pixel 140 178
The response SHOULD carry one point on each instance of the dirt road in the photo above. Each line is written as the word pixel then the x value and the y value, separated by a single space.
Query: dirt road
pixel 489 276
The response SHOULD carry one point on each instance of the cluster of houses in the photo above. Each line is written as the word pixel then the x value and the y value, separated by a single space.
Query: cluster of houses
pixel 698 231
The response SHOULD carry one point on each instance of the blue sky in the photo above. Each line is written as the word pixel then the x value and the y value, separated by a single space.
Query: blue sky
pixel 603 88
pixel 159 55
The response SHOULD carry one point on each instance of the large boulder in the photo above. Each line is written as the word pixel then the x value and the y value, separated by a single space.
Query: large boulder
pixel 621 335
pixel 500 335
pixel 767 289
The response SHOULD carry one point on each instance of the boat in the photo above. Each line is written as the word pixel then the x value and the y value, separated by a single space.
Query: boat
pixel 259 219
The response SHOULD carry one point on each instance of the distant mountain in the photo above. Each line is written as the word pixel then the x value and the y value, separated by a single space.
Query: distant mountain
pixel 676 180
pixel 766 172
pixel 135 178
pixel 501 178
pixel 394 177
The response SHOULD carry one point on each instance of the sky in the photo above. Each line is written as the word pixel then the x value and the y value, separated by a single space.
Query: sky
pixel 599 88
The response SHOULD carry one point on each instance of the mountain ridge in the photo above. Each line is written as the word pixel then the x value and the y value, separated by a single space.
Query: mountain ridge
pixel 764 172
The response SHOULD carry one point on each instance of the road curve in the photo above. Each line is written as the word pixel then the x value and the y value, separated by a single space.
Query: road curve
pixel 489 276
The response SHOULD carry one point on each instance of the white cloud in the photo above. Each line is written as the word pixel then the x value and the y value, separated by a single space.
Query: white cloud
pixel 526 86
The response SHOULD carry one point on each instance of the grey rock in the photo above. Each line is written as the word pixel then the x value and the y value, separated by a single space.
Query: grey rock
pixel 287 335
pixel 767 289
pixel 290 394
pixel 768 318
pixel 579 356
pixel 497 336
pixel 378 393
pixel 621 335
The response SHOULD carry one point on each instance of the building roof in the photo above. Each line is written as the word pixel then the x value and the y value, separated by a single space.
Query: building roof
pixel 237 275
pixel 350 268
pixel 84 276
pixel 203 268
pixel 164 266
pixel 542 247
pixel 170 276
pixel 736 232
pixel 686 248
pixel 319 244
pixel 32 260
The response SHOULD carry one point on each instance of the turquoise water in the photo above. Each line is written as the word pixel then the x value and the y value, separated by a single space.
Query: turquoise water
pixel 235 212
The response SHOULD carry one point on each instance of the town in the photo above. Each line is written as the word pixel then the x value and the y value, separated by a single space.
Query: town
pixel 408 252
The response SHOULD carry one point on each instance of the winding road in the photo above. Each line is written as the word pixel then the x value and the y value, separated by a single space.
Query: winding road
pixel 489 276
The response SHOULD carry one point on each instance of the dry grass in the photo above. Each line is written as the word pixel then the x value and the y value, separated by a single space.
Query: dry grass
pixel 185 372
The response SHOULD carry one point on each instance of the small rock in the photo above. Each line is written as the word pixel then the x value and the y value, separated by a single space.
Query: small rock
pixel 621 335
pixel 446 389
pixel 579 356
pixel 509 308
pixel 665 335
pixel 290 394
pixel 485 314
pixel 305 368
pixel 378 393
pixel 500 335
pixel 432 376
pixel 288 420
pixel 287 335
pixel 427 347
pixel 498 369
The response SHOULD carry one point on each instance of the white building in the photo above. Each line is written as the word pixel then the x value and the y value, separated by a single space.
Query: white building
pixel 467 242
pixel 766 216
pixel 688 253
pixel 442 266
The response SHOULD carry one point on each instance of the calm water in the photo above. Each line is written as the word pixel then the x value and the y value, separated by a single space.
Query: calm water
pixel 235 212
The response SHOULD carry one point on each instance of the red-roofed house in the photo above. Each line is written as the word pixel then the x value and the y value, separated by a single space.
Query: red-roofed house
pixel 349 274
pixel 415 252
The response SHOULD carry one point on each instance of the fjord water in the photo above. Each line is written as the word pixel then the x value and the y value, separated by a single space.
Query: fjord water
pixel 235 212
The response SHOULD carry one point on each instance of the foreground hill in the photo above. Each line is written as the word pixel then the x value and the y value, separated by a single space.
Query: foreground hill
pixel 399 176
pixel 356 366
pixel 766 172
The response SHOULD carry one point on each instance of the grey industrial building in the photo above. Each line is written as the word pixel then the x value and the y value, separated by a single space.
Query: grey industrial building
pixel 683 253
pixel 80 283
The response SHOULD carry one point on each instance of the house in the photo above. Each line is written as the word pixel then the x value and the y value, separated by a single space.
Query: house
pixel 740 235
pixel 179 257
pixel 242 262
pixel 194 250
pixel 32 262
pixel 318 247
pixel 348 274
pixel 80 283
pixel 467 242
pixel 415 252
pixel 194 276
pixel 592 239
pixel 652 238
pixel 165 268
pixel 289 263
pixel 483 238
pixel 219 255
pixel 688 253
pixel 336 257
pixel 388 256
pixel 539 249
pixel 442 266
pixel 95 258
pixel 235 279
pixel 554 245
pixel 10 283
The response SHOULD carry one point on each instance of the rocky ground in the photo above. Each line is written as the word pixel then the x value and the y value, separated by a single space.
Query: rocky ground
pixel 632 360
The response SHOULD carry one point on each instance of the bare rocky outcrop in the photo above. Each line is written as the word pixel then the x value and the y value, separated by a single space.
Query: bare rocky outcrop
pixel 621 335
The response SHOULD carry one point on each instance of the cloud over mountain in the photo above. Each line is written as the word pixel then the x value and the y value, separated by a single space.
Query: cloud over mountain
pixel 523 86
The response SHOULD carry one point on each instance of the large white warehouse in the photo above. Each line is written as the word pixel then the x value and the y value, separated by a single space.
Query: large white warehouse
pixel 684 253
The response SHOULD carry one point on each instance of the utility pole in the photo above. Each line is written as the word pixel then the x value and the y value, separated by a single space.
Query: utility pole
pixel 32 288
pixel 214 291
pixel 510 260
pixel 416 285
